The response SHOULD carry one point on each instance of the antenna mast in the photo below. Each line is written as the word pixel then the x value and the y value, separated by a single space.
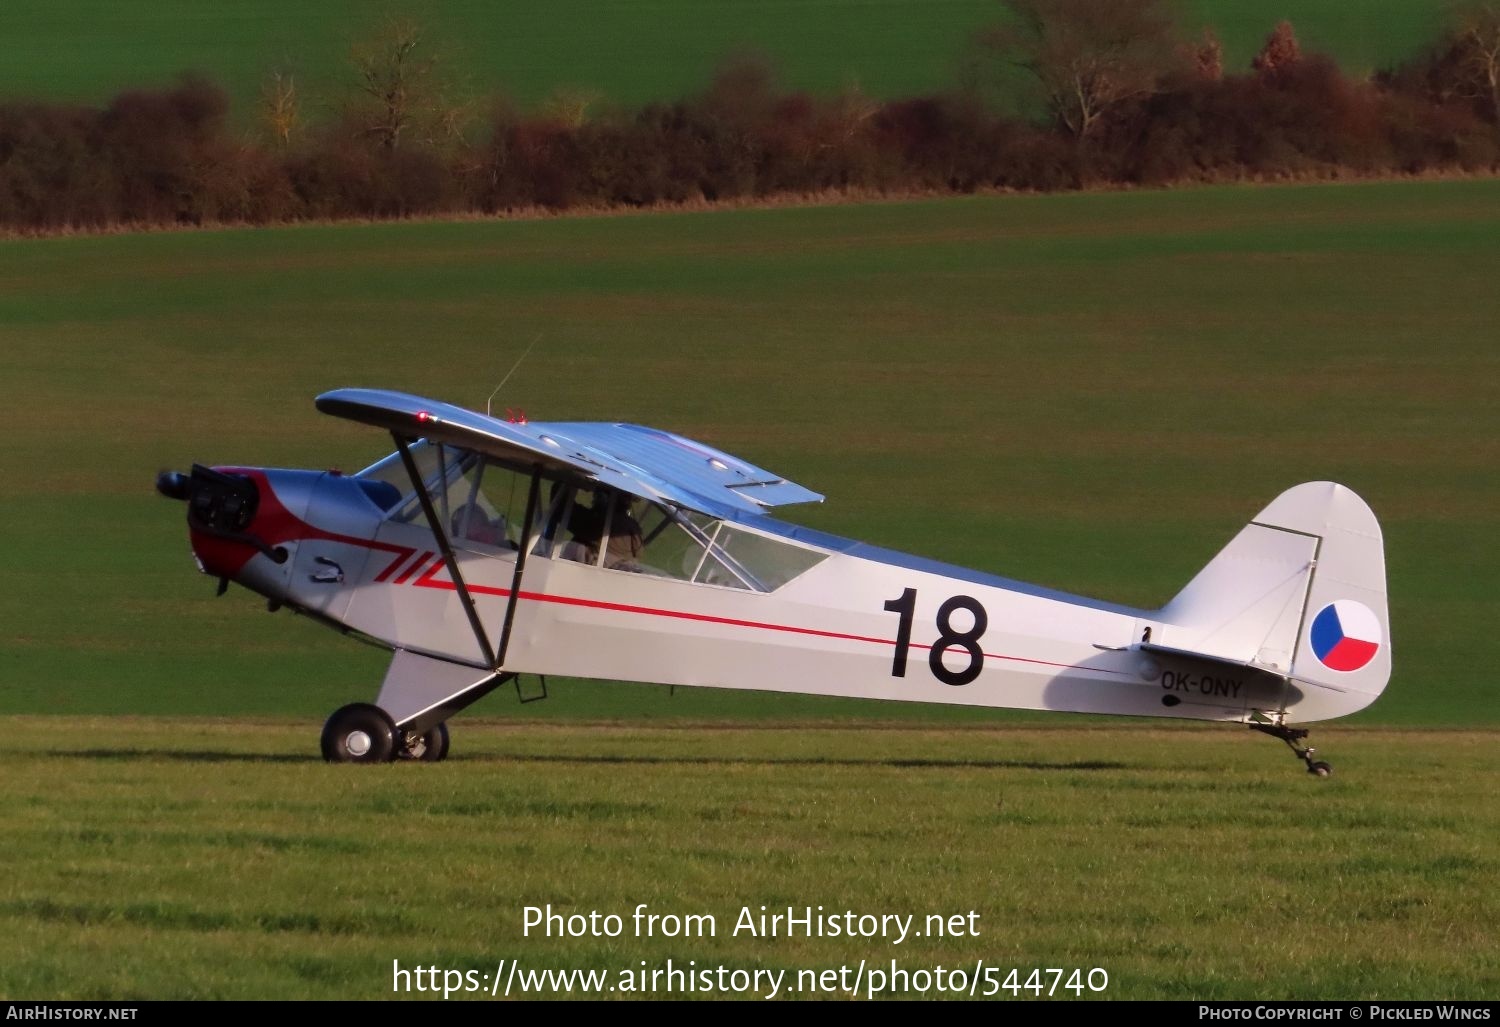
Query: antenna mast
pixel 514 368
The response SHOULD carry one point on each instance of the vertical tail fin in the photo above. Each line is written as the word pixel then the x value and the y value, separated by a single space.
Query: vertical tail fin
pixel 1300 592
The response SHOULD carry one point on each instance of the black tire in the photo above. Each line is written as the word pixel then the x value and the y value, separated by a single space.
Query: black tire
pixel 431 746
pixel 359 733
pixel 1320 769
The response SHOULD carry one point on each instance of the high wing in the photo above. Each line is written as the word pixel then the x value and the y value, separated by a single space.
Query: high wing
pixel 646 462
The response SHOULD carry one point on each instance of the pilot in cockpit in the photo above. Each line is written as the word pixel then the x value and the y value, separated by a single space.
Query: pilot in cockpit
pixel 612 512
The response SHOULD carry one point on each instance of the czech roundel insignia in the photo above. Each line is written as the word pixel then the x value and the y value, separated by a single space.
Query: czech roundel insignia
pixel 1346 635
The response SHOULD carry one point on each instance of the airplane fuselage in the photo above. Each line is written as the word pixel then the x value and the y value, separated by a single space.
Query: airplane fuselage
pixel 852 626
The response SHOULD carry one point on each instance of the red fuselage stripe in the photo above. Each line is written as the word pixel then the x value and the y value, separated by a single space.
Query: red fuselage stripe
pixel 416 565
pixel 429 580
pixel 275 524
pixel 391 567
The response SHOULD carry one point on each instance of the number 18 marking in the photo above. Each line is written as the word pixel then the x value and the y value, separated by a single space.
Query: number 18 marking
pixel 906 605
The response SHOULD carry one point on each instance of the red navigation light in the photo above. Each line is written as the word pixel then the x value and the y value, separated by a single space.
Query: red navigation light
pixel 423 417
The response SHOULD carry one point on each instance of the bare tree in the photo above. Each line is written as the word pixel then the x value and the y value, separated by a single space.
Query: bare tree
pixel 280 106
pixel 394 72
pixel 1087 56
pixel 1477 35
pixel 1208 57
pixel 570 105
pixel 851 112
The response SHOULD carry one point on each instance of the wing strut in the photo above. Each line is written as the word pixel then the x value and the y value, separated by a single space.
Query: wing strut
pixel 515 581
pixel 441 534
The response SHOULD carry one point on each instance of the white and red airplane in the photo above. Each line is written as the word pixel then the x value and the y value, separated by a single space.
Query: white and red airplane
pixel 484 549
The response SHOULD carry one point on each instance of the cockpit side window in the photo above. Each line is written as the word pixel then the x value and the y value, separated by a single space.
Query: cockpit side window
pixel 390 473
pixel 770 562
pixel 676 547
pixel 487 506
pixel 614 532
pixel 448 473
pixel 481 503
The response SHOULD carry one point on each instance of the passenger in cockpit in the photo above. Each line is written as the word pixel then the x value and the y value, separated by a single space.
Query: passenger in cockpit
pixel 471 523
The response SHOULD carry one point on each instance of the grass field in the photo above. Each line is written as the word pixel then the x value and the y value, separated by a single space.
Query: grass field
pixel 1093 392
pixel 206 859
pixel 629 52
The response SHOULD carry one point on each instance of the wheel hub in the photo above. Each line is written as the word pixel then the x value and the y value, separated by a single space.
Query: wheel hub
pixel 357 742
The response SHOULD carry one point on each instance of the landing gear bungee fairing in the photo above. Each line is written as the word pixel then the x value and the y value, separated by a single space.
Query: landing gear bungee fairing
pixel 484 549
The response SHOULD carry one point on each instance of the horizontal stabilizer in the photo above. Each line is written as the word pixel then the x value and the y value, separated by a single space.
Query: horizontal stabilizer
pixel 1164 650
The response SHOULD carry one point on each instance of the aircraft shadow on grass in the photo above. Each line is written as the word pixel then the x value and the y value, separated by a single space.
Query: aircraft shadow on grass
pixel 188 755
pixel 905 763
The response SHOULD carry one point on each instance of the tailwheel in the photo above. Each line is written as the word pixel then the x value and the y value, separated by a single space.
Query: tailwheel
pixel 1293 736
pixel 359 733
pixel 429 746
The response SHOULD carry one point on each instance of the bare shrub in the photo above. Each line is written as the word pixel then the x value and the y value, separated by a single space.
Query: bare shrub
pixel 1208 57
pixel 1279 52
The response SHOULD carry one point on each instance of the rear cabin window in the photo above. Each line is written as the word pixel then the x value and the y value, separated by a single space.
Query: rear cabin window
pixel 614 531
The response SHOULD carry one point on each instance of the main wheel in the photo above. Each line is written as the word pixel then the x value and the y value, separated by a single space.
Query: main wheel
pixel 359 733
pixel 1320 769
pixel 429 747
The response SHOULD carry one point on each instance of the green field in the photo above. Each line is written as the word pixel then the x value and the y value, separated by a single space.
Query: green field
pixel 1093 392
pixel 197 859
pixel 628 52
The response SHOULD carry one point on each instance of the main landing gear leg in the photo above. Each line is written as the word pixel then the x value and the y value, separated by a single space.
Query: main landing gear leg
pixel 1292 736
